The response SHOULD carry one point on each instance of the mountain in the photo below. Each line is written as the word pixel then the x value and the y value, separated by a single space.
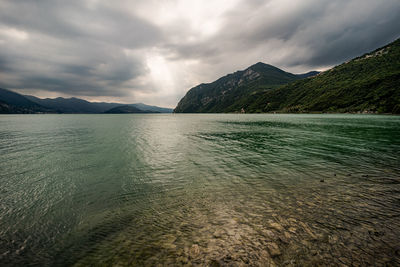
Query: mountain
pixel 234 91
pixel 369 83
pixel 308 74
pixel 127 109
pixel 154 109
pixel 11 102
pixel 76 105
pixel 72 105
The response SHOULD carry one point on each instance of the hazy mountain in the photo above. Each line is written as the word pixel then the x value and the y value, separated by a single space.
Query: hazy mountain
pixel 234 91
pixel 152 108
pixel 127 109
pixel 76 105
pixel 11 102
pixel 72 105
pixel 369 83
pixel 308 74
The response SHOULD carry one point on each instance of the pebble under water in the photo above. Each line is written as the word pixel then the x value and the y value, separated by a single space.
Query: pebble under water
pixel 199 190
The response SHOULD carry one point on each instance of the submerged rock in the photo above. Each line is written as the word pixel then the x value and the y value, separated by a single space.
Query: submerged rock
pixel 218 233
pixel 287 235
pixel 214 263
pixel 276 226
pixel 194 251
pixel 182 260
pixel 269 234
pixel 308 231
pixel 273 249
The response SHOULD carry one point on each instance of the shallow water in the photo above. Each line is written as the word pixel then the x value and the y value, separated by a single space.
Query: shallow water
pixel 212 190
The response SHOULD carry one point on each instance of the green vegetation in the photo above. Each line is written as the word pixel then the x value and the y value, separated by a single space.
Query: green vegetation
pixel 370 83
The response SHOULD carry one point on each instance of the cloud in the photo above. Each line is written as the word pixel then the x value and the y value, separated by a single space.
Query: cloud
pixel 301 33
pixel 154 51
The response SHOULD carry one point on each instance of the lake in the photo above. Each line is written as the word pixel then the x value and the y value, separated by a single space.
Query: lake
pixel 228 189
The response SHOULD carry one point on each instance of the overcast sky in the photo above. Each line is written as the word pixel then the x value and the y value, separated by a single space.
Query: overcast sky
pixel 153 51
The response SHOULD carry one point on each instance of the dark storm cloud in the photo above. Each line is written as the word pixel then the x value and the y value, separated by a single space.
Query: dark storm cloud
pixel 77 20
pixel 71 48
pixel 309 33
pixel 101 48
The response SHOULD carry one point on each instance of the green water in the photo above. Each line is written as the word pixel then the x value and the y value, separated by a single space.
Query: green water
pixel 212 190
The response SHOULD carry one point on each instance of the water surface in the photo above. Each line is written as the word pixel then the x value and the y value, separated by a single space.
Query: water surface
pixel 199 190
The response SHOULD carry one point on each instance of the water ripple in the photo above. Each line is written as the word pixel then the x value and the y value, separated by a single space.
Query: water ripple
pixel 227 190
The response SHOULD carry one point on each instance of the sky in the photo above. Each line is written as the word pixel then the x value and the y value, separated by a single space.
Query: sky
pixel 154 51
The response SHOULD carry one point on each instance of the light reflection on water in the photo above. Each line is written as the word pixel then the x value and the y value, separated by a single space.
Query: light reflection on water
pixel 199 189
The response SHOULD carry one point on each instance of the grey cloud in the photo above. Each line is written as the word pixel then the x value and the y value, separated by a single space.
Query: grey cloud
pixel 72 49
pixel 102 70
pixel 201 50
pixel 312 33
pixel 74 19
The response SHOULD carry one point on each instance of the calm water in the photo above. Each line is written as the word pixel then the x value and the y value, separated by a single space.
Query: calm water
pixel 200 190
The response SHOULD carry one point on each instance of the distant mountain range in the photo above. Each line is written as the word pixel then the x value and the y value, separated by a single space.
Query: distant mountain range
pixel 369 83
pixel 127 109
pixel 11 102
